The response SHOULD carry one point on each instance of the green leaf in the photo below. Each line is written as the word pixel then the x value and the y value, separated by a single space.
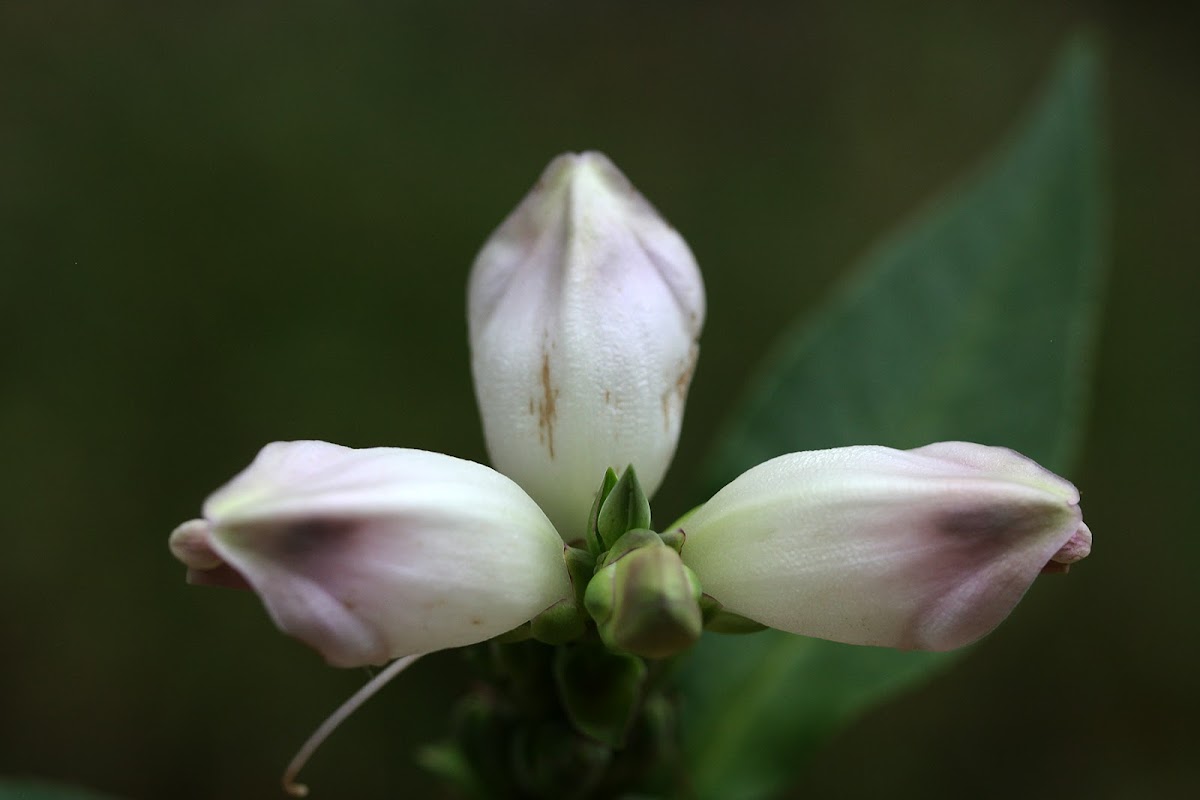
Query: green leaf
pixel 974 322
pixel 40 790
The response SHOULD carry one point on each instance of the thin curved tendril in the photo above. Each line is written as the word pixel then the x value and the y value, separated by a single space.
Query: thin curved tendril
pixel 337 718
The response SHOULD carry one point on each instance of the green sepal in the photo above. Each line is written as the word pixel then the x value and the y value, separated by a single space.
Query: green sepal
pixel 517 634
pixel 718 620
pixel 626 508
pixel 601 691
pixel 681 523
pixel 560 623
pixel 626 544
pixel 594 542
pixel 674 539
pixel 581 565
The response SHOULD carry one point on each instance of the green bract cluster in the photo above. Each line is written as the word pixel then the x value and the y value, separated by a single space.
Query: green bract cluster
pixel 611 721
pixel 632 591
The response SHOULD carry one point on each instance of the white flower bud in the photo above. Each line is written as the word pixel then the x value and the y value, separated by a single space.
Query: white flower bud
pixel 928 548
pixel 368 555
pixel 584 308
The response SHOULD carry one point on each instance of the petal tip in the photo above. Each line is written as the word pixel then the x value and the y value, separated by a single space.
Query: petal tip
pixel 1077 548
pixel 191 544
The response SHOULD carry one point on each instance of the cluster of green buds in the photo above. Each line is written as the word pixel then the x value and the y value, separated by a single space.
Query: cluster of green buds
pixel 611 722
pixel 630 585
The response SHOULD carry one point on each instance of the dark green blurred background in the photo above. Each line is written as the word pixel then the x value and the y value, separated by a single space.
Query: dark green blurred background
pixel 228 224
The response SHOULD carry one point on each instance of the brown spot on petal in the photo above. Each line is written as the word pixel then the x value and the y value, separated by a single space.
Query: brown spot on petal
pixel 547 407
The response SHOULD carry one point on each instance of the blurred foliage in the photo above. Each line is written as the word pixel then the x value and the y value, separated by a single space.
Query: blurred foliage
pixel 40 790
pixel 227 223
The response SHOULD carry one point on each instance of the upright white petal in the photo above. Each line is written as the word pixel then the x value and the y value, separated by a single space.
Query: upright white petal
pixel 928 548
pixel 584 309
pixel 368 555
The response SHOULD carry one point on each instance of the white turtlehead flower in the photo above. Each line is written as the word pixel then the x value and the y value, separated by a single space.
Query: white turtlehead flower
pixel 584 308
pixel 368 555
pixel 928 548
